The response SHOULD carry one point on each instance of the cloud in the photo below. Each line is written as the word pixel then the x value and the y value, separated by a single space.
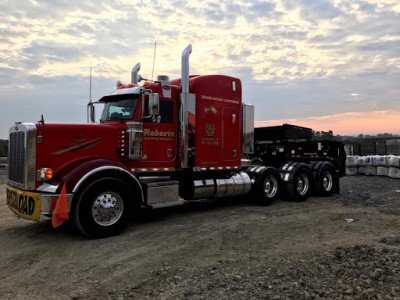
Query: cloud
pixel 47 52
pixel 322 9
pixel 316 97
pixel 390 47
pixel 59 99
pixel 297 59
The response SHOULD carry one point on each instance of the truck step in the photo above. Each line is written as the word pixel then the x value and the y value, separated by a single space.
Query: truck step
pixel 162 193
pixel 167 204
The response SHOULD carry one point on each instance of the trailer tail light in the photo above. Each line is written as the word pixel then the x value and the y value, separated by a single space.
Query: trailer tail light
pixel 45 174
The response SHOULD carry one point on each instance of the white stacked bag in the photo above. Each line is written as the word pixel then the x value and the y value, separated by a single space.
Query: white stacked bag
pixel 351 165
pixel 361 165
pixel 394 166
pixel 373 165
pixel 380 162
pixel 370 169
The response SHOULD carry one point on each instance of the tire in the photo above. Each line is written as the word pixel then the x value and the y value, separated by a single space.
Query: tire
pixel 103 209
pixel 268 187
pixel 300 187
pixel 325 180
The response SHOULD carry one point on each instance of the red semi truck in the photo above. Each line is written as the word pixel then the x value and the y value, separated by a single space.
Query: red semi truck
pixel 159 144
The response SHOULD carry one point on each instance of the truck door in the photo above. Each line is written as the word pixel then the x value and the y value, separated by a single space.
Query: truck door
pixel 159 134
pixel 231 131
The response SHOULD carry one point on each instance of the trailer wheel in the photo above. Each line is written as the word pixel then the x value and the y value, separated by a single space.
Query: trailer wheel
pixel 269 187
pixel 299 189
pixel 103 208
pixel 325 180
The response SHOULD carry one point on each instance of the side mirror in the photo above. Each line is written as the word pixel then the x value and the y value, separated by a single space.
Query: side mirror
pixel 154 104
pixel 91 113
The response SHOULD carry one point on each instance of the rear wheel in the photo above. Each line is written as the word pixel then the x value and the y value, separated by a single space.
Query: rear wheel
pixel 299 188
pixel 325 181
pixel 103 209
pixel 268 187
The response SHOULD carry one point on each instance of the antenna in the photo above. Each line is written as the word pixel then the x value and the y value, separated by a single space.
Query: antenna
pixel 154 59
pixel 90 86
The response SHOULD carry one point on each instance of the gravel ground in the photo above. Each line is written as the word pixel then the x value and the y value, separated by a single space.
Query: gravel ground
pixel 342 247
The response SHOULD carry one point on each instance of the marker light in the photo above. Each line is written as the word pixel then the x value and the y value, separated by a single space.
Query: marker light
pixel 233 118
pixel 44 174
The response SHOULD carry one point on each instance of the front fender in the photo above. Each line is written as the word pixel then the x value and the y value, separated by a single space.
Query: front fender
pixel 82 174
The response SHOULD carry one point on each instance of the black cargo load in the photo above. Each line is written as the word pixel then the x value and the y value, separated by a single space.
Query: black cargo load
pixel 284 133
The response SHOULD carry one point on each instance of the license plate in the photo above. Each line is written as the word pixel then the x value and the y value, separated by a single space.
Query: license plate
pixel 24 204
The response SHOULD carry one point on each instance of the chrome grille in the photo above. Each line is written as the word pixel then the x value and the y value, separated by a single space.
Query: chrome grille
pixel 22 156
pixel 16 157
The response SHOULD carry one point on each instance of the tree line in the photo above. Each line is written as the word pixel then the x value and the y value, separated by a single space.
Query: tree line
pixel 328 135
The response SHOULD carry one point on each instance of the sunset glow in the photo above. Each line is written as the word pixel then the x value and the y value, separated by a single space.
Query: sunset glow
pixel 355 123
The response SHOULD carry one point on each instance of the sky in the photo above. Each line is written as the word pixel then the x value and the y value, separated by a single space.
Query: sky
pixel 325 64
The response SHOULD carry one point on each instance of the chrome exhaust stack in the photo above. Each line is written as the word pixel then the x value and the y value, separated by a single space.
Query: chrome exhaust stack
pixel 185 69
pixel 134 74
pixel 188 105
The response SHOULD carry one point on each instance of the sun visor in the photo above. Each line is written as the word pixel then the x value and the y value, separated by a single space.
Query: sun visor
pixel 122 92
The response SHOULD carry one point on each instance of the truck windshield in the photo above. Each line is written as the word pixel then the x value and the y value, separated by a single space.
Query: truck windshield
pixel 121 109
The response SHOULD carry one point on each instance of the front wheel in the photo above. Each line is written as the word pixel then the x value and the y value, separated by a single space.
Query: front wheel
pixel 103 209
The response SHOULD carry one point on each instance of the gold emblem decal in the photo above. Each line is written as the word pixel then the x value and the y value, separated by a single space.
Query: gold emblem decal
pixel 210 129
pixel 210 108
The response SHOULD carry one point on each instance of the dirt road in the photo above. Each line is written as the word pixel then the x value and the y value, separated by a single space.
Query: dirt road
pixel 224 250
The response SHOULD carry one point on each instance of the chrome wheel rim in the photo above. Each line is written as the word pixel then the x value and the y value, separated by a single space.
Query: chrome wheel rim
pixel 327 181
pixel 107 208
pixel 302 184
pixel 270 186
